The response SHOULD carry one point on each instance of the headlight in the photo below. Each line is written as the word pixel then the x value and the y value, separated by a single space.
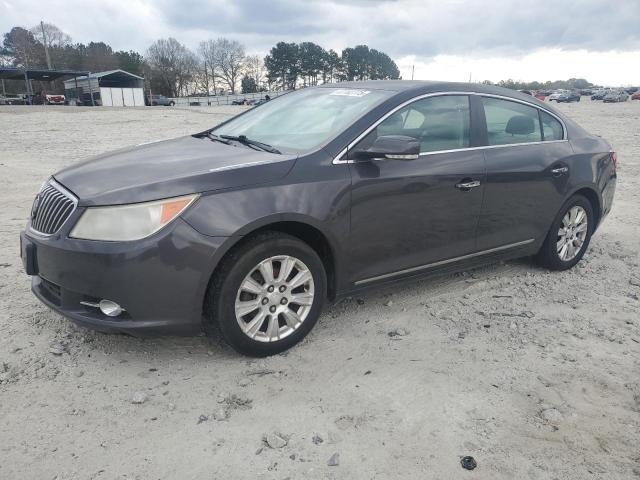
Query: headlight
pixel 129 222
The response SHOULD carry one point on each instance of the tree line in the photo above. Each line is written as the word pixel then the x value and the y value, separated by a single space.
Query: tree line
pixel 25 48
pixel 217 65
pixel 289 63
pixel 570 84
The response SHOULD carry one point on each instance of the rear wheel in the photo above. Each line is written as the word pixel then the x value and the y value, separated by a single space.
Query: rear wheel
pixel 267 295
pixel 569 235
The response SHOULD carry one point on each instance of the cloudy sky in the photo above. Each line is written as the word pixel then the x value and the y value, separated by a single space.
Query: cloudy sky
pixel 443 39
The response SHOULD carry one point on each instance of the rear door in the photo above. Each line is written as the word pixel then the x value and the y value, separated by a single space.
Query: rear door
pixel 526 173
pixel 408 214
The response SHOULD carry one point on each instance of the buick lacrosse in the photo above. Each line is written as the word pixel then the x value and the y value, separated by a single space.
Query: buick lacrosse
pixel 251 226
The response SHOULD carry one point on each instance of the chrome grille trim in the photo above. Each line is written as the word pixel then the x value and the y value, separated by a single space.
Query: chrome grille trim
pixel 52 207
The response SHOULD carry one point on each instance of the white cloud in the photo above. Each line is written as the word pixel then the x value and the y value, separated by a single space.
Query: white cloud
pixel 604 68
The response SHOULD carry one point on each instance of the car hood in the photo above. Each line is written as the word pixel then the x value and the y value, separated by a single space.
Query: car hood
pixel 170 168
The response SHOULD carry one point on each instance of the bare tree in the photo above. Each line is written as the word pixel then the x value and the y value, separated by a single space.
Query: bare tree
pixel 53 41
pixel 229 61
pixel 254 68
pixel 207 52
pixel 54 36
pixel 173 63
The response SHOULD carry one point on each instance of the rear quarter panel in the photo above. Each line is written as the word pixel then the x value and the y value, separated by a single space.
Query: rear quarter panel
pixel 593 168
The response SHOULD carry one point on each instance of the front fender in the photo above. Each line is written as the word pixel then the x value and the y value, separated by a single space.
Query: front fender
pixel 322 203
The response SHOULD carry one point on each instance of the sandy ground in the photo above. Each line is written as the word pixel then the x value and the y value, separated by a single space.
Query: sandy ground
pixel 534 374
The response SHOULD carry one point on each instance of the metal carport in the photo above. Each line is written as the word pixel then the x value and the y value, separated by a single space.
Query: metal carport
pixel 28 74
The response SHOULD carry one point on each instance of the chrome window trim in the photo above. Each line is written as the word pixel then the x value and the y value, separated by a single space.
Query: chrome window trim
pixel 67 194
pixel 443 262
pixel 337 160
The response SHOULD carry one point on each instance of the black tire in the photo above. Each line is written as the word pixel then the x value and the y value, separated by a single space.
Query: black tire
pixel 171 104
pixel 548 255
pixel 578 99
pixel 220 302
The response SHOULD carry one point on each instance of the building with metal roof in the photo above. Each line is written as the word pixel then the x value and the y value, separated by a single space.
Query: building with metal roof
pixel 113 88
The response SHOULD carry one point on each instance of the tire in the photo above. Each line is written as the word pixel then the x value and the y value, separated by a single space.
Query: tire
pixel 578 99
pixel 171 104
pixel 267 334
pixel 549 255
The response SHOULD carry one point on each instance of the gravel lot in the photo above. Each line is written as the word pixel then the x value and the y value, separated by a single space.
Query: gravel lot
pixel 534 374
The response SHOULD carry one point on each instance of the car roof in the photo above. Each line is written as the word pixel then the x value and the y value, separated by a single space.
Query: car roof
pixel 420 87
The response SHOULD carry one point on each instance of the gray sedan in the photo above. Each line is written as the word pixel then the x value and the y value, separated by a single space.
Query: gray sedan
pixel 245 230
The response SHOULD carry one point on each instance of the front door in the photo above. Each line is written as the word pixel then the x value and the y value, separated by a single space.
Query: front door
pixel 406 214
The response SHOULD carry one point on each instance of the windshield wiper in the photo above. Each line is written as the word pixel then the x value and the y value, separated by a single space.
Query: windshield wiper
pixel 217 138
pixel 254 143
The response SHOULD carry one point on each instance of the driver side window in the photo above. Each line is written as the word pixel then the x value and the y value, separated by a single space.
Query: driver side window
pixel 438 123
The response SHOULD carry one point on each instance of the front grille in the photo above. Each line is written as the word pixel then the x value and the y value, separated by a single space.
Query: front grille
pixel 51 208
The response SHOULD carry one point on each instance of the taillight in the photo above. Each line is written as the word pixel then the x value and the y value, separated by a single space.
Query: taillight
pixel 614 159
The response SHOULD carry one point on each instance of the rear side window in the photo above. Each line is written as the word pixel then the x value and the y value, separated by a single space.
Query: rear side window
pixel 551 128
pixel 438 123
pixel 510 122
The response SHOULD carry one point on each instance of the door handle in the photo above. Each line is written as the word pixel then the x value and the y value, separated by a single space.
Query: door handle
pixel 559 170
pixel 468 185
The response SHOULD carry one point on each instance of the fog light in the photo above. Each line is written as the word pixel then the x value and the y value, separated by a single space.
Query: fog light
pixel 109 308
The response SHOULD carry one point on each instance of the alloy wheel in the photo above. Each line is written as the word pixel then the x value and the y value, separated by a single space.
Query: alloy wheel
pixel 572 233
pixel 275 298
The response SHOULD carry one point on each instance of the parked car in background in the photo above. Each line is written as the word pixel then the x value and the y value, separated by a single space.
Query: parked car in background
pixel 249 227
pixel 556 94
pixel 54 99
pixel 631 90
pixel 12 100
pixel 161 100
pixel 616 96
pixel 586 92
pixel 526 92
pixel 540 96
pixel 636 96
pixel 600 94
pixel 568 97
pixel 242 101
pixel 257 101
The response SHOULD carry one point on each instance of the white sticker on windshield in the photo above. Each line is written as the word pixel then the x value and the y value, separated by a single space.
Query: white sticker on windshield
pixel 349 92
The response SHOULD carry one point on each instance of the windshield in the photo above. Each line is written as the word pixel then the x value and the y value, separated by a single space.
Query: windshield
pixel 303 120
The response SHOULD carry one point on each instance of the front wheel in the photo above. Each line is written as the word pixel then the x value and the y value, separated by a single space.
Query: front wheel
pixel 569 235
pixel 267 294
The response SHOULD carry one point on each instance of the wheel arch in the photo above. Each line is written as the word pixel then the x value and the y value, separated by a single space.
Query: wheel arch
pixel 298 226
pixel 594 199
pixel 591 194
pixel 313 237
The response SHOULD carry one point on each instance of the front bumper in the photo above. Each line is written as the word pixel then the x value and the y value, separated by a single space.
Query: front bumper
pixel 160 281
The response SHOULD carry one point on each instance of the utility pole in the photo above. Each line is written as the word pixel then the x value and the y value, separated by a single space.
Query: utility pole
pixel 413 67
pixel 46 47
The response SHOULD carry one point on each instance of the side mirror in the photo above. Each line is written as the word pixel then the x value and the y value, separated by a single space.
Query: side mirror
pixel 393 147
